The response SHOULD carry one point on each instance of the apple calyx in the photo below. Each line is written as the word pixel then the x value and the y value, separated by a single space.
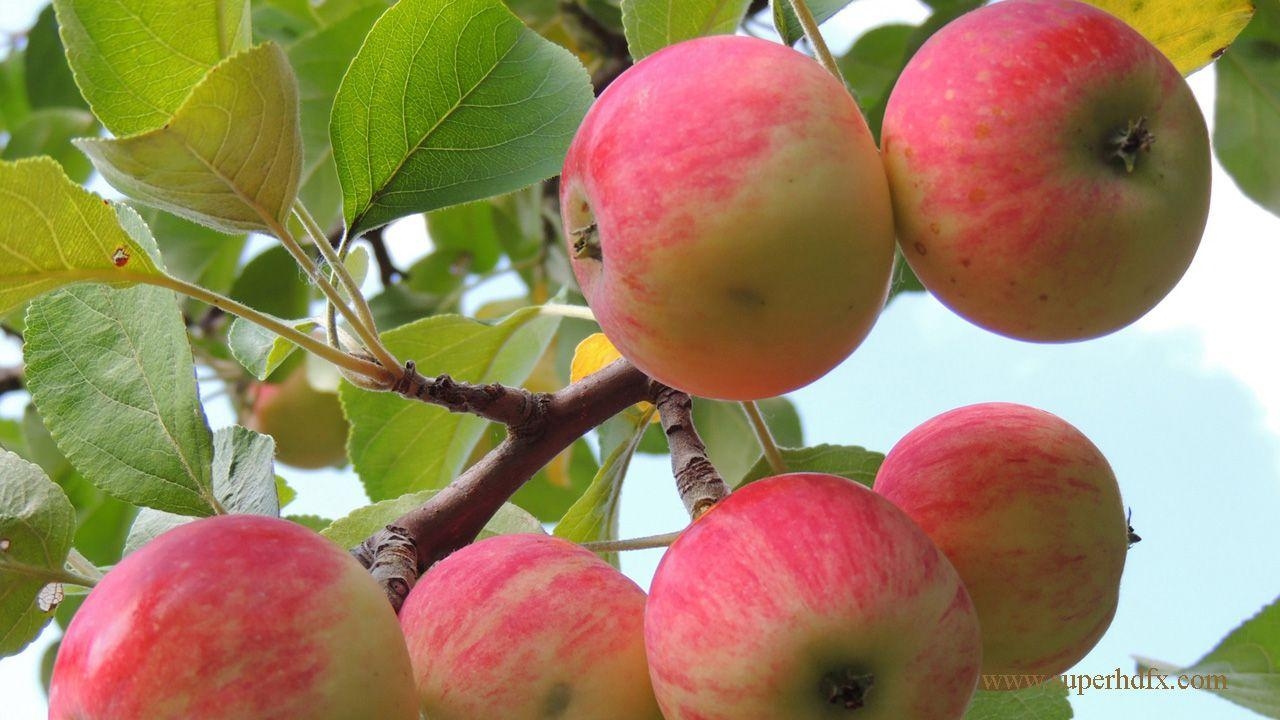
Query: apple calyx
pixel 847 688
pixel 1126 144
pixel 586 243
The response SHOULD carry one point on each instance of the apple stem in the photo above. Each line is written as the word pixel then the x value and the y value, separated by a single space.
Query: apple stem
pixel 699 483
pixel 847 688
pixel 768 445
pixel 810 26
pixel 1128 143
pixel 647 542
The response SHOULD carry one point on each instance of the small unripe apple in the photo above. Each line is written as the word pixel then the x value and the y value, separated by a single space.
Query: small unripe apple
pixel 809 597
pixel 308 425
pixel 1049 170
pixel 528 627
pixel 729 218
pixel 1028 511
pixel 229 618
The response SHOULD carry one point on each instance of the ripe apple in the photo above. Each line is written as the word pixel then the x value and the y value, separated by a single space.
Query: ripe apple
pixel 729 217
pixel 1029 513
pixel 308 425
pixel 809 596
pixel 233 617
pixel 1049 170
pixel 527 627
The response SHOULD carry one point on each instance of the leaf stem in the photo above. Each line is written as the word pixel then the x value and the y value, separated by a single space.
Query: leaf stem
pixel 336 265
pixel 297 337
pixel 367 335
pixel 768 445
pixel 647 542
pixel 577 312
pixel 810 26
pixel 83 566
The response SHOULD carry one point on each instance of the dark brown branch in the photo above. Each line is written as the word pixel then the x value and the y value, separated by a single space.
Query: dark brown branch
pixel 542 425
pixel 697 480
pixel 609 45
pixel 387 269
pixel 12 378
pixel 511 406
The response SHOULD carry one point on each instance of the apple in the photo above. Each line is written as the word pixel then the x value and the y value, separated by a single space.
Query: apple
pixel 1049 170
pixel 308 425
pixel 1028 511
pixel 729 218
pixel 808 596
pixel 235 616
pixel 526 627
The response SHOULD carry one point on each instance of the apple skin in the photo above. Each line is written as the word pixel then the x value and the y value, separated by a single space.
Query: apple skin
pixel 1028 511
pixel 793 578
pixel 528 627
pixel 233 617
pixel 1008 207
pixel 308 425
pixel 742 215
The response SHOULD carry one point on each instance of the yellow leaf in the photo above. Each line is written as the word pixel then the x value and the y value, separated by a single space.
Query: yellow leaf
pixel 592 354
pixel 1192 33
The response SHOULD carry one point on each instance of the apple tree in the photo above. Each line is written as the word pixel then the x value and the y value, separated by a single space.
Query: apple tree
pixel 705 208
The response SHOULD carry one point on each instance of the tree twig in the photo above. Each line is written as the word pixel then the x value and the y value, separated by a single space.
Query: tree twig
pixel 12 378
pixel 540 426
pixel 697 480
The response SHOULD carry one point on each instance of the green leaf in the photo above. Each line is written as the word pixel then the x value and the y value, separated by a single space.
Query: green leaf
pixel 451 102
pixel 284 493
pixel 399 445
pixel 56 233
pixel 136 60
pixel 1245 667
pixel 49 132
pixel 14 104
pixel 113 377
pixel 360 524
pixel 1044 702
pixel 1246 116
pixel 231 156
pixel 471 228
pixel 651 25
pixel 873 64
pixel 102 522
pixel 193 252
pixel 259 350
pixel 273 283
pixel 315 522
pixel 595 515
pixel 48 77
pixel 731 442
pixel 37 524
pixel 848 461
pixel 788 25
pixel 244 481
pixel 320 59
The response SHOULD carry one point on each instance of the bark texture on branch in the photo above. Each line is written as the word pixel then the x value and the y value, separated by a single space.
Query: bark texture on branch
pixel 542 426
pixel 697 480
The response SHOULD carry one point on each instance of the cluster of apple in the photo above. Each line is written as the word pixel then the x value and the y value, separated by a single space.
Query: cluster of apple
pixel 994 540
pixel 1046 172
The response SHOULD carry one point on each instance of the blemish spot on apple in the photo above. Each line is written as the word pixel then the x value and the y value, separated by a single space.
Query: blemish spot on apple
pixel 1044 297
pixel 746 297
pixel 557 701
pixel 920 248
pixel 935 228
pixel 977 195
pixel 120 257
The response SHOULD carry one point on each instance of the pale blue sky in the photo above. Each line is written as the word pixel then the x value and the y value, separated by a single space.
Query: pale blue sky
pixel 1185 404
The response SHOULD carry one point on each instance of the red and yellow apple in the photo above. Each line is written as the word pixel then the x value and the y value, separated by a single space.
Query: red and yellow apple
pixel 234 617
pixel 1049 170
pixel 527 627
pixel 729 217
pixel 808 596
pixel 1028 511
pixel 308 425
